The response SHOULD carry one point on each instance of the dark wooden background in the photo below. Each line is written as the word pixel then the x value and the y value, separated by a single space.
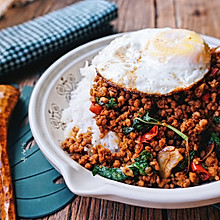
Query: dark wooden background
pixel 202 16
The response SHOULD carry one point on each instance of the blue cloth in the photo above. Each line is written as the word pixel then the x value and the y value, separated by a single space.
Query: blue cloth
pixel 27 42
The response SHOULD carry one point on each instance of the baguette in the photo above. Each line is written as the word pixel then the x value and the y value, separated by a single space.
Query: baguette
pixel 8 99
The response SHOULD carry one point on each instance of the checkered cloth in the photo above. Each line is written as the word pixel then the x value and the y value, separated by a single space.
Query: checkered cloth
pixel 22 44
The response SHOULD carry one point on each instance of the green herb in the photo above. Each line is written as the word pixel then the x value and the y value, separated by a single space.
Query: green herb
pixel 98 101
pixel 144 156
pixel 110 173
pixel 141 162
pixel 148 120
pixel 204 166
pixel 138 126
pixel 111 103
pixel 138 167
pixel 127 130
pixel 192 154
pixel 216 139
pixel 216 120
pixel 142 124
pixel 183 164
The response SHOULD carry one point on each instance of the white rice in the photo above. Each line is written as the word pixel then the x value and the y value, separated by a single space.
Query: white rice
pixel 78 114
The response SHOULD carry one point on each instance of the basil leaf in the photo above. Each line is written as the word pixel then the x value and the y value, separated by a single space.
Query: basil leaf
pixel 140 166
pixel 148 120
pixel 216 120
pixel 184 163
pixel 110 173
pixel 98 101
pixel 192 154
pixel 111 103
pixel 140 126
pixel 127 130
pixel 204 166
pixel 216 139
pixel 140 163
pixel 144 156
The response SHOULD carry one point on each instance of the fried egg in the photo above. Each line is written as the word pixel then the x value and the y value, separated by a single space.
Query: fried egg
pixel 155 61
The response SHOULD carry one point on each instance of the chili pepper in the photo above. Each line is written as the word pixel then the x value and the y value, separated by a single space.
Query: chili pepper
pixel 141 148
pixel 150 135
pixel 214 71
pixel 96 109
pixel 206 97
pixel 199 170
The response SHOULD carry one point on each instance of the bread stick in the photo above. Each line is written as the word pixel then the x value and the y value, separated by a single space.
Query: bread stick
pixel 8 99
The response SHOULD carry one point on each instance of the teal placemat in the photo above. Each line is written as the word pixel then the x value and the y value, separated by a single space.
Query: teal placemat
pixel 37 193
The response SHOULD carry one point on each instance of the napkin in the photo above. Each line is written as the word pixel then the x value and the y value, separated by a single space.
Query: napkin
pixel 24 43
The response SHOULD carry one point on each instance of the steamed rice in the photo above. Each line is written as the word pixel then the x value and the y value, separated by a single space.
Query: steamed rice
pixel 78 114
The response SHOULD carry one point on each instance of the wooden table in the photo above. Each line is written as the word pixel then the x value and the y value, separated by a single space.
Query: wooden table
pixel 199 15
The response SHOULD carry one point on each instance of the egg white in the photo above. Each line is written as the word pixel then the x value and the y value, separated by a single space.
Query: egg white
pixel 155 61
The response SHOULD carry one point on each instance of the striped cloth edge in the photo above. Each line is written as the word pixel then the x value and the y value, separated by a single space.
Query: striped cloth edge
pixel 24 43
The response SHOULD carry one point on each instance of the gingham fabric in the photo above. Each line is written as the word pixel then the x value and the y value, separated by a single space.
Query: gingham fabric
pixel 27 42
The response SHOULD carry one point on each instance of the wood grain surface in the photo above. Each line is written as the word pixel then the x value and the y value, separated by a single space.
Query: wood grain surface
pixel 199 15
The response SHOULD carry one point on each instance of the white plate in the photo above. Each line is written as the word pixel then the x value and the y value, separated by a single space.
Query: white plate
pixel 51 95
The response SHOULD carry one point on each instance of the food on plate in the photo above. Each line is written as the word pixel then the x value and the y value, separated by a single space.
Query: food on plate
pixel 8 98
pixel 146 111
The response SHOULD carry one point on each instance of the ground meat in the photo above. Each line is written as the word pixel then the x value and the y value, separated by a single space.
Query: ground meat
pixel 190 111
pixel 141 183
pixel 211 161
pixel 193 178
pixel 182 180
pixel 117 163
